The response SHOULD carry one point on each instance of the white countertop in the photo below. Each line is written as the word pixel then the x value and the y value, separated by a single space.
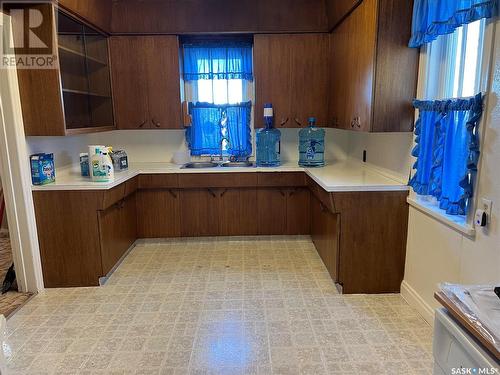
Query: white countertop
pixel 334 177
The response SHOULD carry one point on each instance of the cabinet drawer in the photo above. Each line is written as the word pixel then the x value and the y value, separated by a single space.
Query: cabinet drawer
pixel 113 196
pixel 282 179
pixel 157 181
pixel 217 180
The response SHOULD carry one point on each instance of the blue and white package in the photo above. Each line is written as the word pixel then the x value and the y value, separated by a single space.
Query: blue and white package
pixel 42 169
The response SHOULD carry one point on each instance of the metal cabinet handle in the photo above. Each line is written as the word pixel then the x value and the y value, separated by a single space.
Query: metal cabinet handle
pixel 297 121
pixel 172 193
pixel 144 123
pixel 356 122
pixel 223 193
pixel 284 121
pixel 155 123
pixel 212 193
pixel 282 193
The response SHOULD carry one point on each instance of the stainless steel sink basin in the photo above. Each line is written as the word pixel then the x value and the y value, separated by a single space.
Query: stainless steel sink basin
pixel 200 165
pixel 238 164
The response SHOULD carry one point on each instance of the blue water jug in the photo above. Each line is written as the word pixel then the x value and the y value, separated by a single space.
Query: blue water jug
pixel 312 145
pixel 268 141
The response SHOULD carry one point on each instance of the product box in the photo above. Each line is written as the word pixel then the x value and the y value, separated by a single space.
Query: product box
pixel 42 169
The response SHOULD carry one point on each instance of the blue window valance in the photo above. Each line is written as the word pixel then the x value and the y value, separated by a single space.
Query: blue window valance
pixel 432 18
pixel 447 151
pixel 211 123
pixel 218 61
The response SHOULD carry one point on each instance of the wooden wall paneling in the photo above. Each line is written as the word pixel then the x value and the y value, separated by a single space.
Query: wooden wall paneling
pixel 298 208
pixel 158 213
pixel 129 81
pixel 310 66
pixel 95 12
pixel 69 241
pixel 271 203
pixel 397 69
pixel 337 10
pixel 218 16
pixel 162 61
pixel 199 212
pixel 272 71
pixel 374 227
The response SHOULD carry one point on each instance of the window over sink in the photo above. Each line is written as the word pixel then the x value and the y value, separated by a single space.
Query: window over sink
pixel 218 76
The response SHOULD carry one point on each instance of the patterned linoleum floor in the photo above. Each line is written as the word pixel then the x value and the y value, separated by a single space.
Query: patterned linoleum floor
pixel 218 306
pixel 10 301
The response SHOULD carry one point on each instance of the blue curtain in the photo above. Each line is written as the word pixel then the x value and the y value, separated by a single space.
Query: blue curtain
pixel 447 151
pixel 212 122
pixel 432 18
pixel 218 61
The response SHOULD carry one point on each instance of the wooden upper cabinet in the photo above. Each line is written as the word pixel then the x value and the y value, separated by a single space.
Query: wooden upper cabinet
pixel 291 72
pixel 163 78
pixel 272 71
pixel 74 96
pixel 373 72
pixel 337 10
pixel 146 82
pixel 310 79
pixel 129 80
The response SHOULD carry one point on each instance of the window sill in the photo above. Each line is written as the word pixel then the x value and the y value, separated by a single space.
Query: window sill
pixel 457 223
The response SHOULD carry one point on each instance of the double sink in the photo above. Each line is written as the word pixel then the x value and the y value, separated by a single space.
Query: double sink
pixel 209 164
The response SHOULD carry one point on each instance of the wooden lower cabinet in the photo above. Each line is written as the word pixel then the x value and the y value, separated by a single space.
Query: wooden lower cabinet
pixel 199 212
pixel 158 213
pixel 298 219
pixel 360 236
pixel 117 231
pixel 271 211
pixel 238 212
pixel 325 236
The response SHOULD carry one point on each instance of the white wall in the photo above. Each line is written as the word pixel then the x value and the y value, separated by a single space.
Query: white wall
pixel 159 145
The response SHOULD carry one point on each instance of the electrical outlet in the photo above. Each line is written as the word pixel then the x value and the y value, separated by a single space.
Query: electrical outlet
pixel 486 207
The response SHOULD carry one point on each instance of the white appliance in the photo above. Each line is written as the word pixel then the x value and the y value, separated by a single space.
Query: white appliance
pixel 457 352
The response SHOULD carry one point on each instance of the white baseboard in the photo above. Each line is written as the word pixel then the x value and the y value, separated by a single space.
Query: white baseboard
pixel 411 296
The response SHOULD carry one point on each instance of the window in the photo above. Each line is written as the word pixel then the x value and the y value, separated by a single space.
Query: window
pixel 218 80
pixel 446 134
pixel 454 63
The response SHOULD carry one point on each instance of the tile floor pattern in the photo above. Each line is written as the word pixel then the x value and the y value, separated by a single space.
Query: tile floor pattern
pixel 218 306
pixel 10 301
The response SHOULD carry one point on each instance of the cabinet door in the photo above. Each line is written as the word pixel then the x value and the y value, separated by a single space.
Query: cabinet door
pixel 238 212
pixel 309 79
pixel 353 45
pixel 272 64
pixel 324 233
pixel 158 213
pixel 199 212
pixel 298 219
pixel 118 231
pixel 271 208
pixel 163 77
pixel 129 81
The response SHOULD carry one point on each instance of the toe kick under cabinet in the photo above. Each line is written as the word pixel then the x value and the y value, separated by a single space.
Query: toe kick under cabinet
pixel 360 236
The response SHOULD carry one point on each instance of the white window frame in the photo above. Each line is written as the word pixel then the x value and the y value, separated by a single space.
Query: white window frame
pixel 426 80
